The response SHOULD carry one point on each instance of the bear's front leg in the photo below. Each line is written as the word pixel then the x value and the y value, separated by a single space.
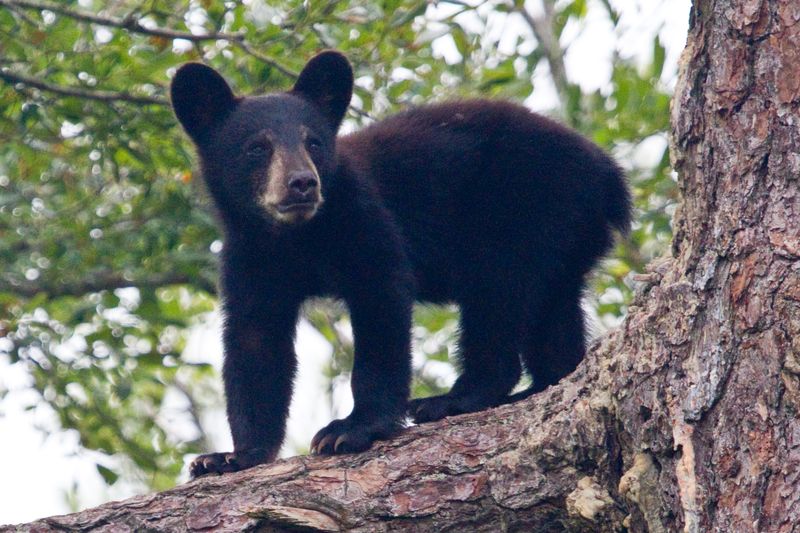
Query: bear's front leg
pixel 381 373
pixel 258 372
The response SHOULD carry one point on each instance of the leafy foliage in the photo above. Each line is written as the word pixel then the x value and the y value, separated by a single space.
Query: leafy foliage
pixel 107 241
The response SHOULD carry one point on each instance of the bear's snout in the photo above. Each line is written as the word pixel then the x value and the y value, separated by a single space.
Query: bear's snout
pixel 303 185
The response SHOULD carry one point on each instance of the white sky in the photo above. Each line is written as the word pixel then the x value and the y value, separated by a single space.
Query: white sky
pixel 38 469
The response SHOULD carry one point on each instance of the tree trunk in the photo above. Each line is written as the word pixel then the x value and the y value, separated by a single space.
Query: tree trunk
pixel 684 418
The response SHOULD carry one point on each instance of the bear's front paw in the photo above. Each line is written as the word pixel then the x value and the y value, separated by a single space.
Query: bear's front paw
pixel 351 435
pixel 222 463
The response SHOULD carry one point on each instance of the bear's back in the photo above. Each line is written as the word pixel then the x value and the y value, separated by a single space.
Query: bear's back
pixel 476 179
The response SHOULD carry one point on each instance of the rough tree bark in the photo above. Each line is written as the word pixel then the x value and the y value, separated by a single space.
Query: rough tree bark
pixel 686 418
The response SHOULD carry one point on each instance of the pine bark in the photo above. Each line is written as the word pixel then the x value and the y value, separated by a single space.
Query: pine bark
pixel 685 418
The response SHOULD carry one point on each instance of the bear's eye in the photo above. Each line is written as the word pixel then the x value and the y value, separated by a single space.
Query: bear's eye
pixel 313 143
pixel 258 149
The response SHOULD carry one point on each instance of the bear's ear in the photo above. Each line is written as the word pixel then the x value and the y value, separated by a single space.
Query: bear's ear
pixel 327 81
pixel 201 98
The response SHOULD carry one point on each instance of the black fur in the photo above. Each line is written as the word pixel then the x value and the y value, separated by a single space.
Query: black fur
pixel 479 202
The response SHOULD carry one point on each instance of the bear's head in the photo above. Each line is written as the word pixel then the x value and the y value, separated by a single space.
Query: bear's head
pixel 266 156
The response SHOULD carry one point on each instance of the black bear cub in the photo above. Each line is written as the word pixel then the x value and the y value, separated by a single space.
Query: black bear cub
pixel 476 202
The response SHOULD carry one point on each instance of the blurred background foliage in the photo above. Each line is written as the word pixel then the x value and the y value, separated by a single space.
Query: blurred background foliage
pixel 108 244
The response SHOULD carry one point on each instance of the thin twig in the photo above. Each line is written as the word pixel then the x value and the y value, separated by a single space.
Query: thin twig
pixel 21 14
pixel 129 22
pixel 542 29
pixel 133 24
pixel 103 96
pixel 102 282
pixel 194 413
pixel 246 48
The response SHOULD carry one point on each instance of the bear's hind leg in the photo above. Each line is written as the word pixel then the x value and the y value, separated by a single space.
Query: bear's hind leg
pixel 555 344
pixel 490 363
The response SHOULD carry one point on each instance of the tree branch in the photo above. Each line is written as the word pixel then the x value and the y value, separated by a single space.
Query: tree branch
pixel 103 96
pixel 542 28
pixel 246 48
pixel 129 22
pixel 132 24
pixel 103 281
pixel 514 465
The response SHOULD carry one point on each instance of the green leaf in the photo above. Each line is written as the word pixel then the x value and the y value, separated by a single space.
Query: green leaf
pixel 659 55
pixel 109 476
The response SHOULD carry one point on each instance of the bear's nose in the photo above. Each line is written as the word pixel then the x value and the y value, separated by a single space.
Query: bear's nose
pixel 302 181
